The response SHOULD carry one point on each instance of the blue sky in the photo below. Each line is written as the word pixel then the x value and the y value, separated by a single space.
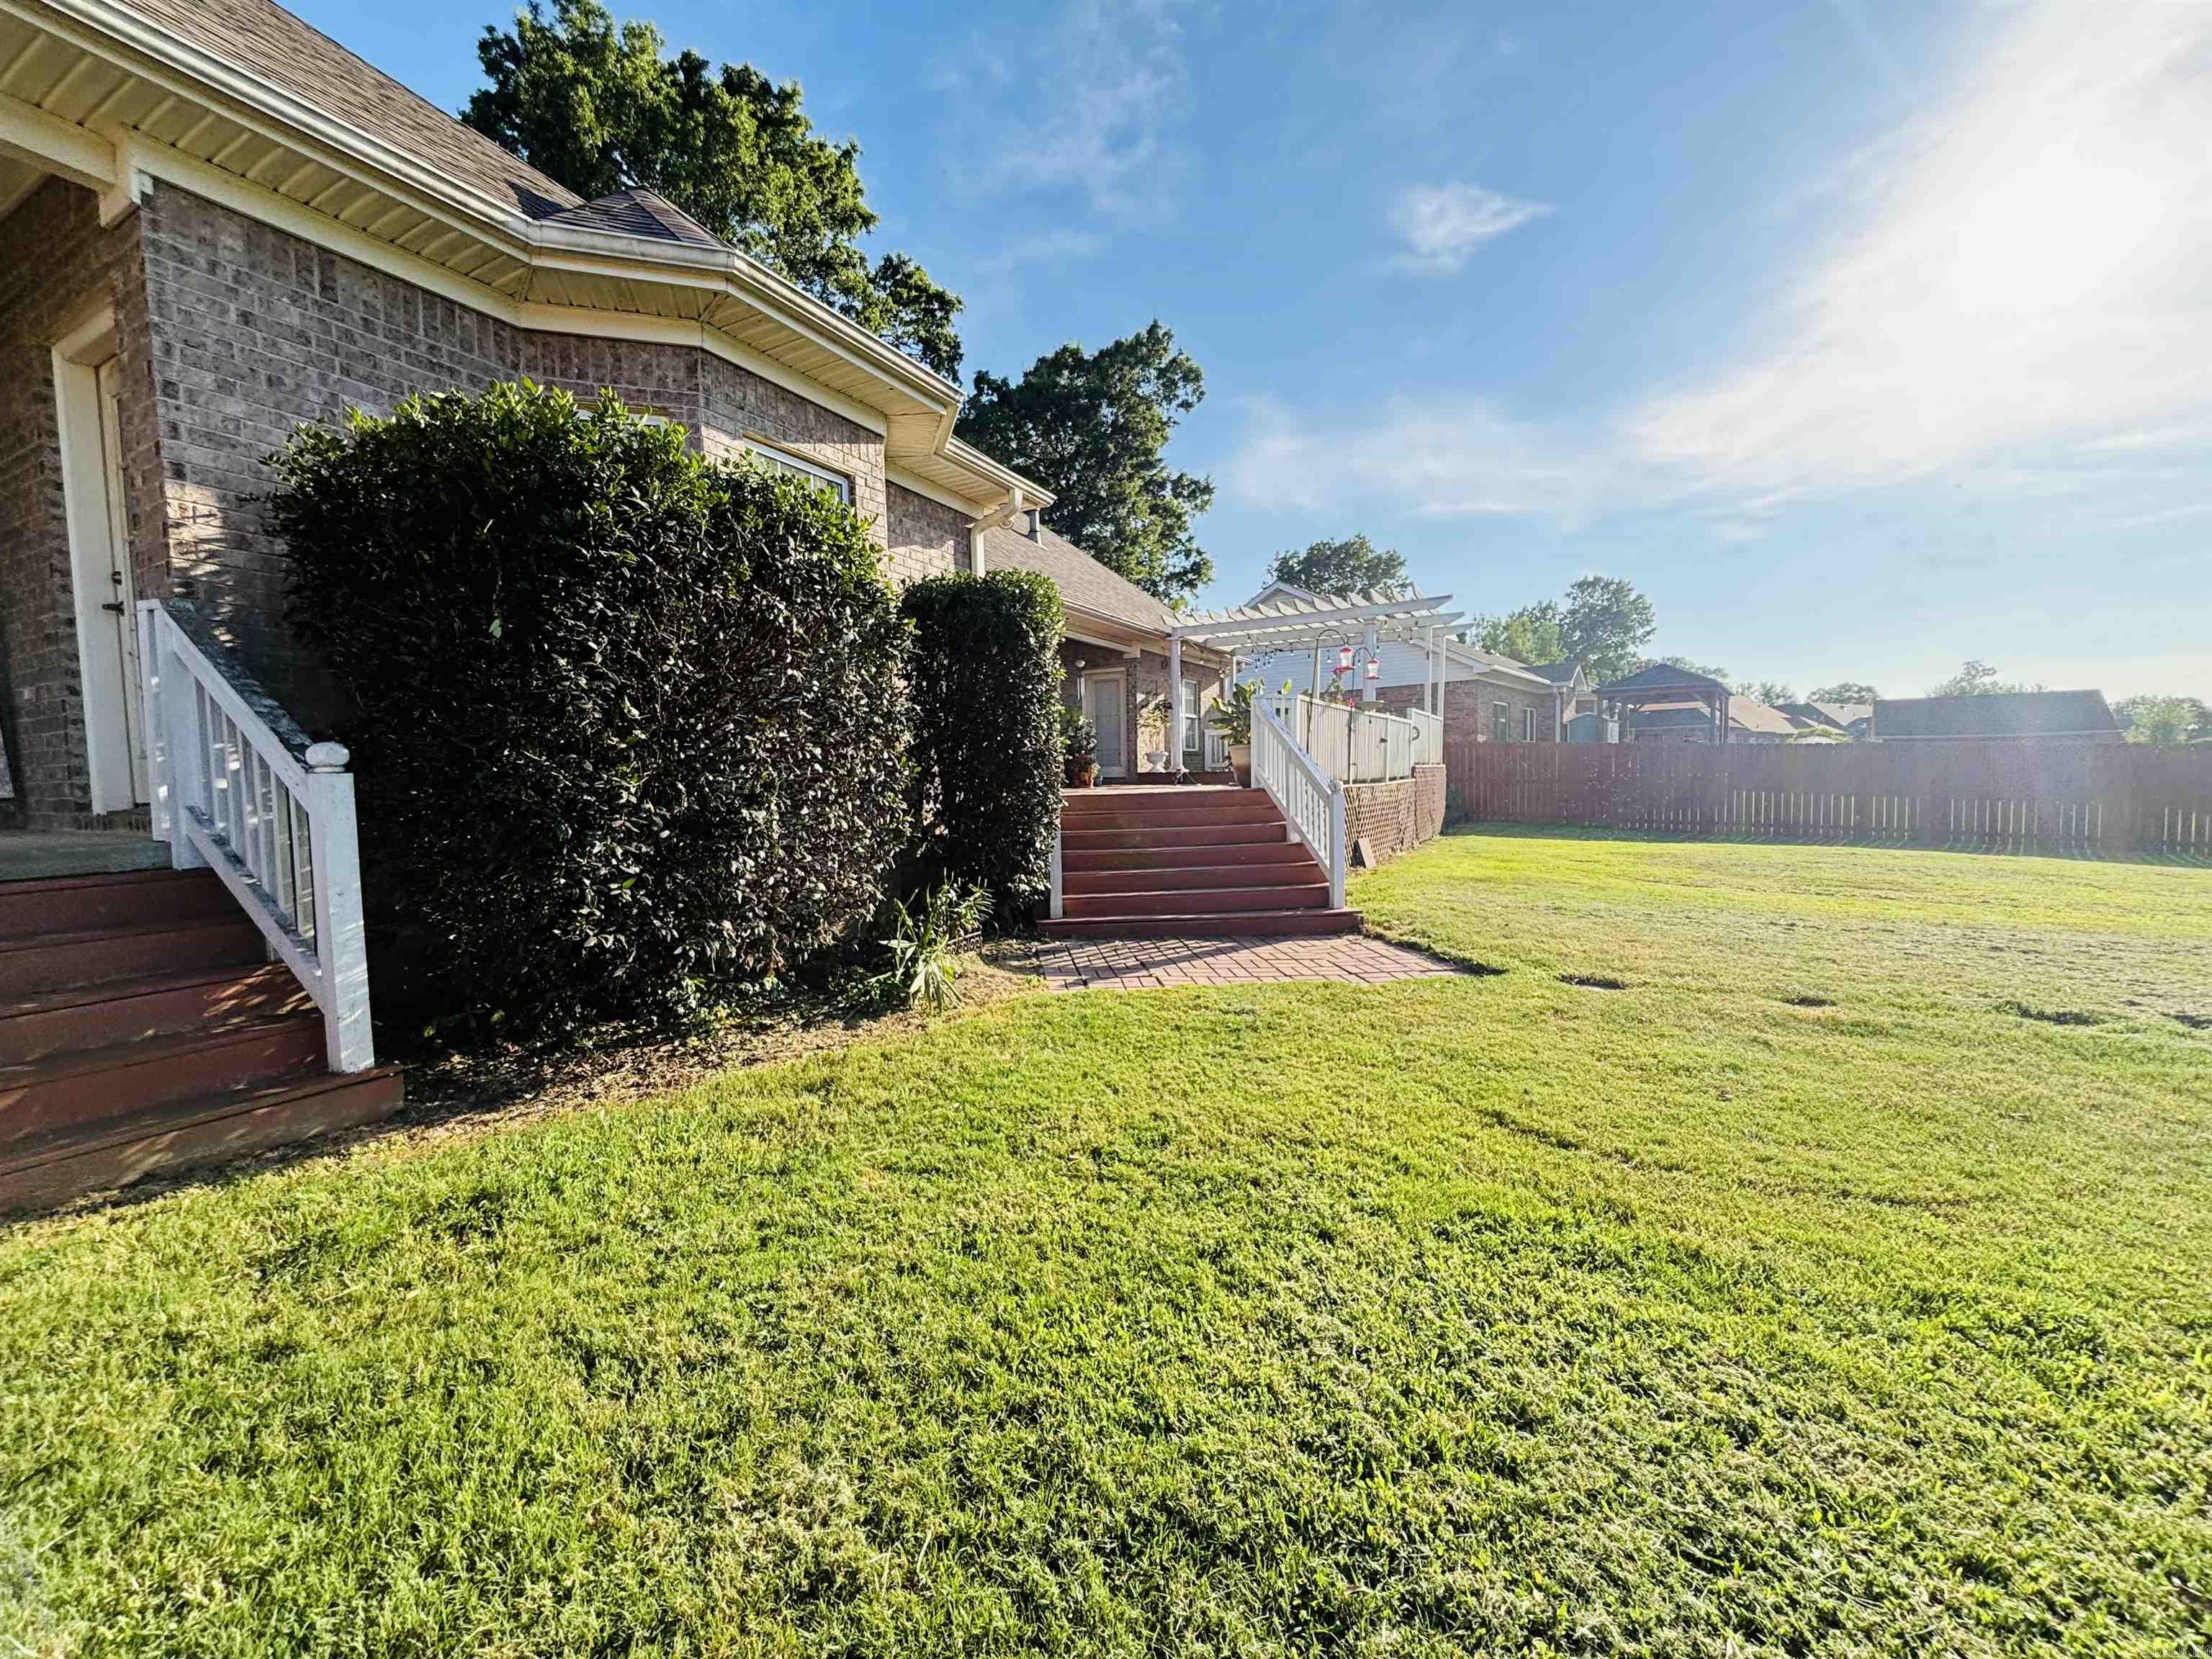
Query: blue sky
pixel 1865 336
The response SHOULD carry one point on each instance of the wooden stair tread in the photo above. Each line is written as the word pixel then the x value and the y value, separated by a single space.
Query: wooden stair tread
pixel 157 1047
pixel 144 985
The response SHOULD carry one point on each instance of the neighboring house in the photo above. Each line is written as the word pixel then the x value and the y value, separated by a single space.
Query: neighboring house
pixel 2043 716
pixel 215 224
pixel 1849 720
pixel 1690 721
pixel 1495 698
pixel 1588 718
pixel 1115 652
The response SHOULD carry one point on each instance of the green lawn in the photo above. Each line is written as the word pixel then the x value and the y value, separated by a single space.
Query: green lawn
pixel 1488 1314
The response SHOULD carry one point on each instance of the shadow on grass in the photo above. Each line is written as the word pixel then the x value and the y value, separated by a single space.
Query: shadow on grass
pixel 2075 851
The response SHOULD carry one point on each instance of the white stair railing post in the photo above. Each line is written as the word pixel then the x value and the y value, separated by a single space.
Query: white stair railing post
pixel 153 690
pixel 1335 845
pixel 187 745
pixel 1056 903
pixel 339 936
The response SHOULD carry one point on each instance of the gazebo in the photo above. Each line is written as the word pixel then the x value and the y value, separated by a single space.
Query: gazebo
pixel 1325 622
pixel 1663 684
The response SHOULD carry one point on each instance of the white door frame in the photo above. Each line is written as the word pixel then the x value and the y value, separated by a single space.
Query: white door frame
pixel 99 550
pixel 1118 767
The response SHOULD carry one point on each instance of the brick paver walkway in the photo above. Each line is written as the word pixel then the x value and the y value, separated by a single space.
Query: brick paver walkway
pixel 1132 964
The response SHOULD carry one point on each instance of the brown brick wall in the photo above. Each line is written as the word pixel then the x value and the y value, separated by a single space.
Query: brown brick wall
pixel 57 262
pixel 1467 707
pixel 922 538
pixel 255 331
pixel 1397 817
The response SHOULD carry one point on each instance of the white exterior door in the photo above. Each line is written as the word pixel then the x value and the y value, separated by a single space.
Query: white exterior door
pixel 103 597
pixel 1105 699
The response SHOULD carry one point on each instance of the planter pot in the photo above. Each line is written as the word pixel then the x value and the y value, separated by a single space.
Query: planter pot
pixel 1240 762
pixel 1079 768
pixel 1090 775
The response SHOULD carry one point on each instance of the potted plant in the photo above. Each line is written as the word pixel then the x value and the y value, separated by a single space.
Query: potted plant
pixel 1078 740
pixel 1232 716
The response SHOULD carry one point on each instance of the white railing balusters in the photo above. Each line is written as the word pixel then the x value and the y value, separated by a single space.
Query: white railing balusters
pixel 1311 802
pixel 238 789
pixel 1058 875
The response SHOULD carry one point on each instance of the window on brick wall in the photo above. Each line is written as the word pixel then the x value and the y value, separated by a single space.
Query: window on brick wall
pixel 1499 731
pixel 1528 725
pixel 782 460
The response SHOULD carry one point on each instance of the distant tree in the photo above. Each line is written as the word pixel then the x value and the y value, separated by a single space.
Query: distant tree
pixel 1686 666
pixel 1604 625
pixel 1845 691
pixel 1352 565
pixel 1091 426
pixel 1528 635
pixel 2163 721
pixel 1765 691
pixel 1976 679
pixel 600 109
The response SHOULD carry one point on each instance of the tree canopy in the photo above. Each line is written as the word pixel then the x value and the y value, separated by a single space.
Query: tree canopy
pixel 1528 635
pixel 1845 691
pixel 1976 679
pixel 2163 721
pixel 1352 565
pixel 599 108
pixel 1767 692
pixel 1091 427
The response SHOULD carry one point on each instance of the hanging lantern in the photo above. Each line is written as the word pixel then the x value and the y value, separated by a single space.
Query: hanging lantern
pixel 1343 659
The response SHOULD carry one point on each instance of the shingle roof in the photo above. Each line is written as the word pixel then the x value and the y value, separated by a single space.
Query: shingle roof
pixel 1559 673
pixel 267 42
pixel 1745 714
pixel 1662 675
pixel 1994 714
pixel 1084 583
pixel 638 213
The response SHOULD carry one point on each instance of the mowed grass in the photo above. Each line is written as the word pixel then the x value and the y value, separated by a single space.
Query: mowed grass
pixel 1492 1313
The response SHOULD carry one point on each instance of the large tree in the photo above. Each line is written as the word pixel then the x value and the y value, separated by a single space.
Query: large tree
pixel 2164 720
pixel 1604 625
pixel 599 108
pixel 1528 635
pixel 1845 691
pixel 1770 692
pixel 1091 427
pixel 1353 565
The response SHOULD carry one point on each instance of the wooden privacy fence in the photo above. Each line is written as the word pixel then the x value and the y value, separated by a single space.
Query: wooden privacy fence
pixel 2111 797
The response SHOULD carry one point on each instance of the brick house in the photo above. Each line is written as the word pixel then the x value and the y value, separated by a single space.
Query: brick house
pixel 217 224
pixel 1115 656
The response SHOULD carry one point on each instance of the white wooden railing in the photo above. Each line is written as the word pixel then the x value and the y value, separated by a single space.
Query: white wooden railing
pixel 1428 736
pixel 1354 744
pixel 1307 796
pixel 238 789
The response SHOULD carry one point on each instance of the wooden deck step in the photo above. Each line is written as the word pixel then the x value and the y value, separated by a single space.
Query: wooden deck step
pixel 51 962
pixel 83 1087
pixel 94 1016
pixel 1215 900
pixel 42 1172
pixel 1249 924
pixel 79 904
pixel 1274 873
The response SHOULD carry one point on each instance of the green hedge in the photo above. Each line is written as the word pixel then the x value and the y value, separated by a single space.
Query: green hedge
pixel 985 678
pixel 630 723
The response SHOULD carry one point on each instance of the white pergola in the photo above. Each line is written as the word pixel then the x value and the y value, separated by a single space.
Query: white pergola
pixel 1324 622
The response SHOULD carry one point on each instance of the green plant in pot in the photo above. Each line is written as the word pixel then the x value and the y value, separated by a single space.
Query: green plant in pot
pixel 1078 736
pixel 1232 716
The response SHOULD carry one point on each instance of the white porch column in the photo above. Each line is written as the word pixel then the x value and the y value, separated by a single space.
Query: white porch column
pixel 1174 745
pixel 1368 685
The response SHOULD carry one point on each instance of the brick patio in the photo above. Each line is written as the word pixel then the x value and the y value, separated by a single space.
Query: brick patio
pixel 1137 964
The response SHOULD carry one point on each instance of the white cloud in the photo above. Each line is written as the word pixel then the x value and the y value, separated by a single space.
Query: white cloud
pixel 2033 272
pixel 1101 124
pixel 1442 224
pixel 1467 460
pixel 1055 246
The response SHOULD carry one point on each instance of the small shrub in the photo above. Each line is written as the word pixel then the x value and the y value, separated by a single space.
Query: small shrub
pixel 629 723
pixel 984 674
pixel 925 933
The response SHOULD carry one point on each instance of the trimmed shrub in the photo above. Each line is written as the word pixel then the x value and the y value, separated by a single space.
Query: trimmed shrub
pixel 630 726
pixel 984 674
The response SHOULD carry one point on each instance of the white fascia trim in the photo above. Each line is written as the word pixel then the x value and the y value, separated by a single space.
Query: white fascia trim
pixel 1128 650
pixel 967 455
pixel 943 497
pixel 55 145
pixel 146 160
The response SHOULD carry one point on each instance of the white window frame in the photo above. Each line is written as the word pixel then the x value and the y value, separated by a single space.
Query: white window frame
pixel 1528 724
pixel 838 484
pixel 1500 727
